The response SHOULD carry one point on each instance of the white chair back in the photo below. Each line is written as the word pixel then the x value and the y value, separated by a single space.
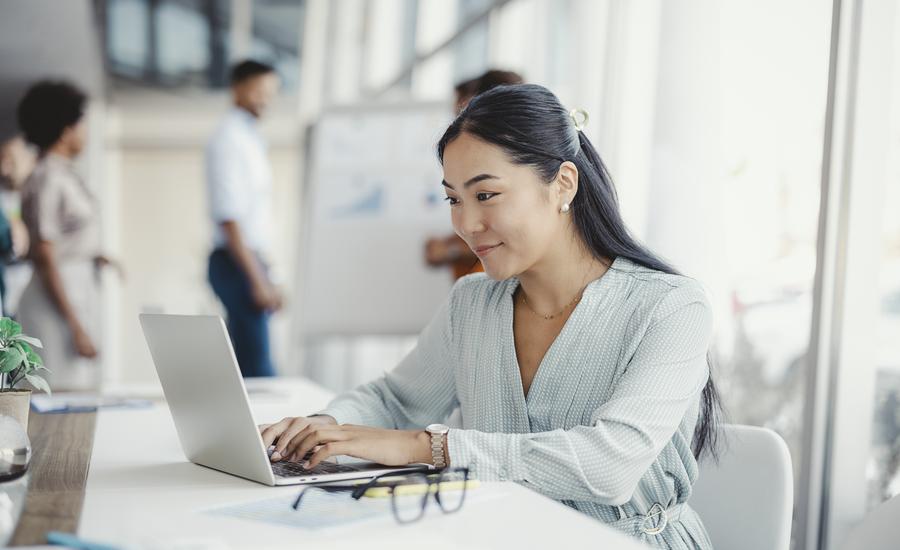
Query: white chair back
pixel 746 499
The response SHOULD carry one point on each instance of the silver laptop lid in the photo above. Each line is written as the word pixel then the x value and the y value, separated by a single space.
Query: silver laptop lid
pixel 206 395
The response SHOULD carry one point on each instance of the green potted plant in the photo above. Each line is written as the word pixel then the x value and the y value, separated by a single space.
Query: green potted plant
pixel 18 363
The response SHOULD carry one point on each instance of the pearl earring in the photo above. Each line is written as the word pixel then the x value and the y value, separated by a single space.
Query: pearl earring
pixel 565 208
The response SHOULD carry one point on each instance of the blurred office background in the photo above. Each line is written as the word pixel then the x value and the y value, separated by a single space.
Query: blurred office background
pixel 756 145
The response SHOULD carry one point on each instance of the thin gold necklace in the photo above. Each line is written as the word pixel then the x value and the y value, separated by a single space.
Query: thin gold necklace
pixel 576 299
pixel 555 315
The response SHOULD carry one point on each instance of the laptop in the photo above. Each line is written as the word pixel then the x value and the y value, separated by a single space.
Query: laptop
pixel 208 401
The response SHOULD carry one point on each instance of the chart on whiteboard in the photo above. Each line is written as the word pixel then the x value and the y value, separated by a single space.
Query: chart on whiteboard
pixel 401 198
pixel 374 199
pixel 380 170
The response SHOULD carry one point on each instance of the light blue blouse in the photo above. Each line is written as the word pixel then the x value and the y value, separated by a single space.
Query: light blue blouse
pixel 608 422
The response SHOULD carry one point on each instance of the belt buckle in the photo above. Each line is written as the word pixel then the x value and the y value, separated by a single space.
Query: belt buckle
pixel 655 510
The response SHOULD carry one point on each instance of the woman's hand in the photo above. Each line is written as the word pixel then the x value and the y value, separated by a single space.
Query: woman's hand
pixel 389 447
pixel 102 262
pixel 84 346
pixel 281 433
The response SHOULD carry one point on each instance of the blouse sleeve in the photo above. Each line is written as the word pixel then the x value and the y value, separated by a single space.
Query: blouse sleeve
pixel 42 210
pixel 419 391
pixel 605 461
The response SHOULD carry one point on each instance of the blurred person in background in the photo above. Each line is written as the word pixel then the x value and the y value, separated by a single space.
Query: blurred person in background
pixel 17 160
pixel 451 251
pixel 468 89
pixel 60 304
pixel 239 190
pixel 6 251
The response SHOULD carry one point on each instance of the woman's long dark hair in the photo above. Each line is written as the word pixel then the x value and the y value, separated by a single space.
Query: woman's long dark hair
pixel 529 123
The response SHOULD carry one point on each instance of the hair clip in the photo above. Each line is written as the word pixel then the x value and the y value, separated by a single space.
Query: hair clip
pixel 579 118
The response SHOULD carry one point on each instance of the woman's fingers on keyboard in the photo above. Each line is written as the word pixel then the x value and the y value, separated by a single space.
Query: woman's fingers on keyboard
pixel 313 437
pixel 271 432
pixel 328 450
pixel 297 428
pixel 287 434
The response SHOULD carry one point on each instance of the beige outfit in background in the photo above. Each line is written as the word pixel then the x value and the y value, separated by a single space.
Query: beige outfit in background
pixel 57 207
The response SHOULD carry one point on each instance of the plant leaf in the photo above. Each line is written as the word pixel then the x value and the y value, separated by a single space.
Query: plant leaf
pixel 9 328
pixel 28 363
pixel 10 359
pixel 21 346
pixel 38 382
pixel 31 340
pixel 34 358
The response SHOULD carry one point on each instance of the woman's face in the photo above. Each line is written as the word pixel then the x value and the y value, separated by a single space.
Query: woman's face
pixel 74 137
pixel 504 211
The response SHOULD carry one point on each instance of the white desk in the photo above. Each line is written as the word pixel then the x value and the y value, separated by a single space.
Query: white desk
pixel 141 492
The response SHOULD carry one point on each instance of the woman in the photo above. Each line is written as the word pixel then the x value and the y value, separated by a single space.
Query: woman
pixel 578 361
pixel 59 305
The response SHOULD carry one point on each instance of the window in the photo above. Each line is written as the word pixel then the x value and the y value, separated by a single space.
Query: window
pixel 277 28
pixel 471 49
pixel 883 468
pixel 189 48
pixel 192 43
pixel 127 37
pixel 732 195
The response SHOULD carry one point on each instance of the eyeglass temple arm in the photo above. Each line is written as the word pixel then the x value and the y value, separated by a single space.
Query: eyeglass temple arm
pixel 326 488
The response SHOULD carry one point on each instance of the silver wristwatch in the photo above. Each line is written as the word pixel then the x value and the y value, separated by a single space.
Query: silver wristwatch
pixel 437 433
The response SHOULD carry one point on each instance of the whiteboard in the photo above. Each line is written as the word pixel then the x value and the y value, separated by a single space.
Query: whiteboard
pixel 372 198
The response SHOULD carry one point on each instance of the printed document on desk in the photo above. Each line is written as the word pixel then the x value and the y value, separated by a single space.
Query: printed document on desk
pixel 82 402
pixel 323 510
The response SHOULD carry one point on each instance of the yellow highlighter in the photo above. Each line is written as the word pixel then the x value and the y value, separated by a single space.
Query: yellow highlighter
pixel 415 488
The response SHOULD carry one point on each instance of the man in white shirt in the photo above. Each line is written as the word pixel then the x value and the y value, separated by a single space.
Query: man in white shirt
pixel 239 189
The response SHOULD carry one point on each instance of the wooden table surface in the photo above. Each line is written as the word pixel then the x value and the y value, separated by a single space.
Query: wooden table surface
pixel 61 447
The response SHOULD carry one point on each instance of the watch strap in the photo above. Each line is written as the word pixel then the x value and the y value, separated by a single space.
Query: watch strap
pixel 437 449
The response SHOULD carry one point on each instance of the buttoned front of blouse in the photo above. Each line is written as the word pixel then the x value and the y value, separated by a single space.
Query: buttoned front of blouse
pixel 607 424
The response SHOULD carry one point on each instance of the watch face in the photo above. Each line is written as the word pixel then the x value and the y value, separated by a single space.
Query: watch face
pixel 437 428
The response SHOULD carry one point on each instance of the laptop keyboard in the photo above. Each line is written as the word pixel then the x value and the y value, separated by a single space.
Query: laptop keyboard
pixel 294 469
